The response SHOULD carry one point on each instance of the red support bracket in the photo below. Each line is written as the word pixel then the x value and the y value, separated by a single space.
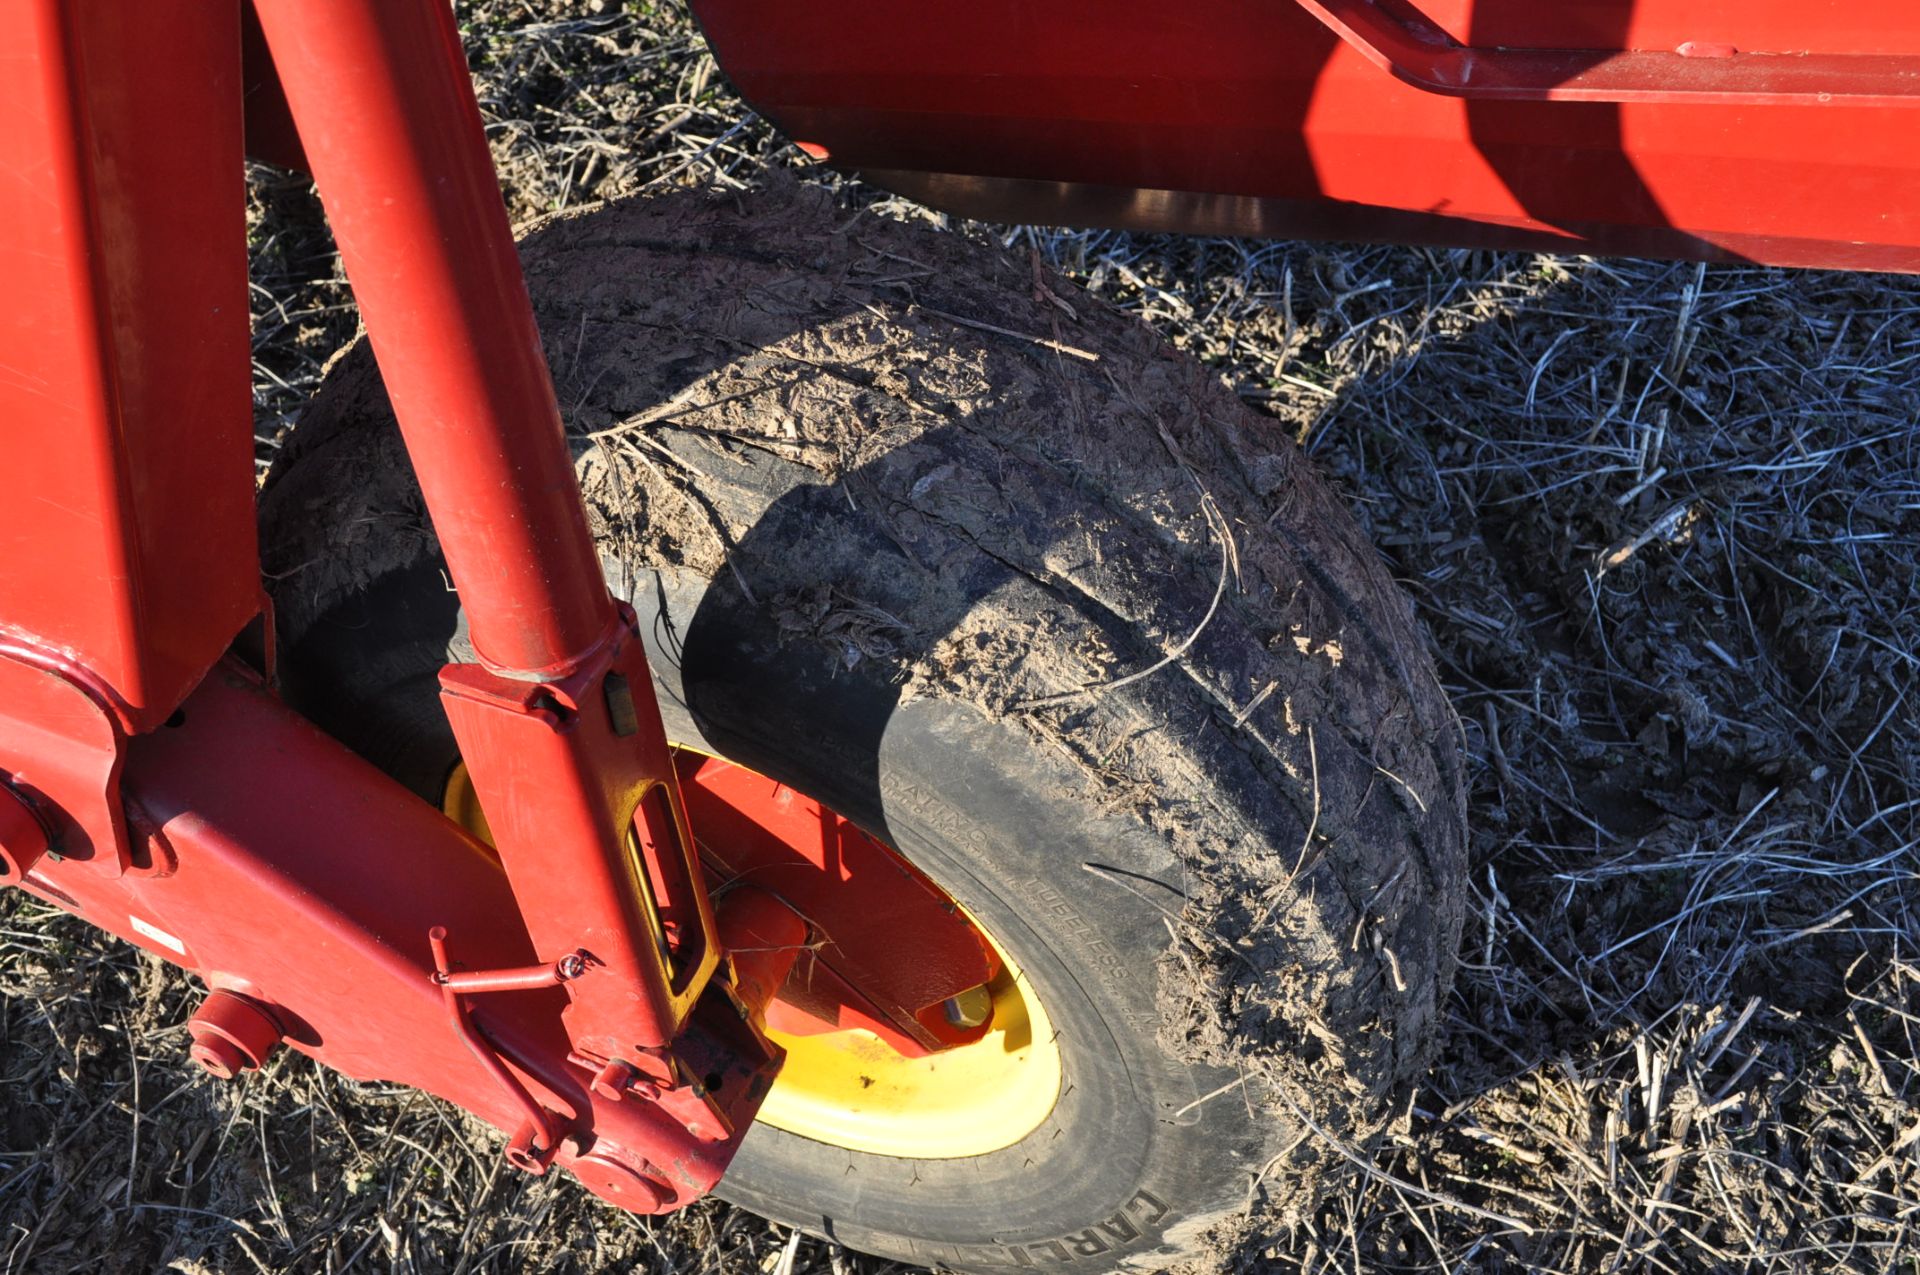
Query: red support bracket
pixel 60 762
pixel 594 839
pixel 535 1143
pixel 584 804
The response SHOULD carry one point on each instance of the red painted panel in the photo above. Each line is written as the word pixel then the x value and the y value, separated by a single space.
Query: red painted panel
pixel 1222 117
pixel 856 893
pixel 126 488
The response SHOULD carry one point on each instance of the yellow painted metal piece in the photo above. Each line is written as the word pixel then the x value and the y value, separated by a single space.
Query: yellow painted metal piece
pixel 462 805
pixel 850 1089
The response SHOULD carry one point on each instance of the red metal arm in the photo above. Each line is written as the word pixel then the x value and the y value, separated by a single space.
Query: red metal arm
pixel 380 94
pixel 1404 43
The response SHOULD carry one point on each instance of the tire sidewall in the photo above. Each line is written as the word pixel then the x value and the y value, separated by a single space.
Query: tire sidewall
pixel 1136 1161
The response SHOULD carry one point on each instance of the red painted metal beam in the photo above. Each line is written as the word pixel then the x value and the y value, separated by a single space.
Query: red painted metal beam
pixel 1220 117
pixel 127 547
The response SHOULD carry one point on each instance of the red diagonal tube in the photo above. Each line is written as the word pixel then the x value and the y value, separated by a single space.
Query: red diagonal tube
pixel 380 94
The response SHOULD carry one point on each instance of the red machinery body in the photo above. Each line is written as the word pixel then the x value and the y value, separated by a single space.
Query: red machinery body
pixel 1778 131
pixel 571 982
pixel 150 781
pixel 579 972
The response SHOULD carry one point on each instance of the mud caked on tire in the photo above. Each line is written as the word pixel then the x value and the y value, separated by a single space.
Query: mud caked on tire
pixel 905 524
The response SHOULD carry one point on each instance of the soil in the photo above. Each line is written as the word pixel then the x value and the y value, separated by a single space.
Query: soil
pixel 1681 1036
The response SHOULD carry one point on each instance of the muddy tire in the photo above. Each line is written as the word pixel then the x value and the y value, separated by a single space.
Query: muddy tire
pixel 905 525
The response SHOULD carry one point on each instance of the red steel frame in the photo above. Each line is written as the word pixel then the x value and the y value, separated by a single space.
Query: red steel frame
pixel 557 722
pixel 1408 45
pixel 150 781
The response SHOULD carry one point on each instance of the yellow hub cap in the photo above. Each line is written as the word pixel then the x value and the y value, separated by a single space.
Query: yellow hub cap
pixel 850 1089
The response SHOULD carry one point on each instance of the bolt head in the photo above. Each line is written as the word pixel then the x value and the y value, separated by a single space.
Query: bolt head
pixel 613 1080
pixel 971 1008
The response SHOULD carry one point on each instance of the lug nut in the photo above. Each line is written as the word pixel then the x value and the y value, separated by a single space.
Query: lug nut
pixel 971 1008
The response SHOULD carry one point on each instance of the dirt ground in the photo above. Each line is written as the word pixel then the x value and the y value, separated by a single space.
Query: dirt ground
pixel 1661 524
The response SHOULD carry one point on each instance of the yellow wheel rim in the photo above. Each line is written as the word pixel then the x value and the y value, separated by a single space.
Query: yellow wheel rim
pixel 850 1089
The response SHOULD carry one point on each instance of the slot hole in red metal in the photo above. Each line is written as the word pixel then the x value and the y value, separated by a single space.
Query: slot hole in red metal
pixel 664 858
